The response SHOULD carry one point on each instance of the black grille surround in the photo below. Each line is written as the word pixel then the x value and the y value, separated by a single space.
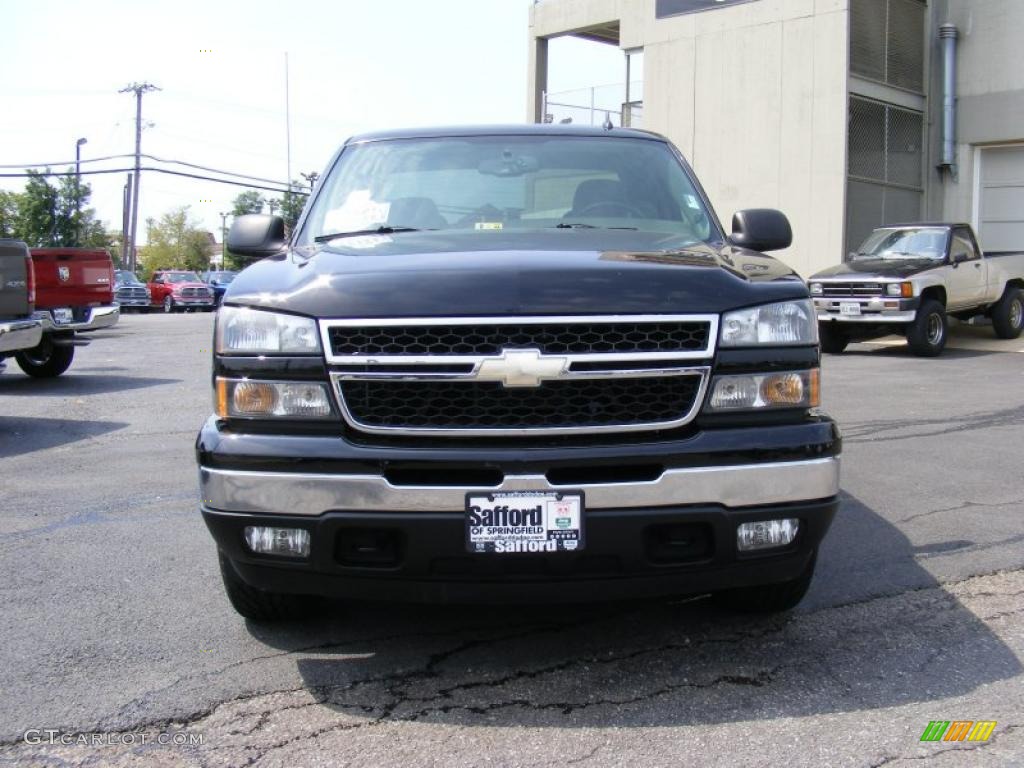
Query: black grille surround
pixel 487 405
pixel 577 338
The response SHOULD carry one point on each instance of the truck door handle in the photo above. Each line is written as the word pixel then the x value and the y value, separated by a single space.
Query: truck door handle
pixel 978 265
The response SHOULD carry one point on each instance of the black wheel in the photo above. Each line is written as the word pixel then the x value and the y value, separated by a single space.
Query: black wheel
pixel 168 304
pixel 927 334
pixel 833 339
pixel 769 598
pixel 45 360
pixel 258 605
pixel 1008 314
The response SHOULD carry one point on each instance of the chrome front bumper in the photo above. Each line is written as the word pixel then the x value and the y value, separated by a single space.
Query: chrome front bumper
pixel 20 334
pixel 96 318
pixel 742 485
pixel 872 310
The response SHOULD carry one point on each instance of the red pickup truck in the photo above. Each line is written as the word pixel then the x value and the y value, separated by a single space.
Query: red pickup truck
pixel 180 289
pixel 74 295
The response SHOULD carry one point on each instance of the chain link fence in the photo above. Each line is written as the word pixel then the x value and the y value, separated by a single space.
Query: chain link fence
pixel 591 106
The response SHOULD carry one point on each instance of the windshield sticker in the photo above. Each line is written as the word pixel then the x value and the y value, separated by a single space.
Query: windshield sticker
pixel 488 225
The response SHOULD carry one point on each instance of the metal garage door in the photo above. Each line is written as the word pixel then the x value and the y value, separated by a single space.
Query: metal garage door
pixel 1001 199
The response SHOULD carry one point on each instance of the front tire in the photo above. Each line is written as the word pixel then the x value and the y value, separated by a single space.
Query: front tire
pixel 258 604
pixel 833 340
pixel 1008 314
pixel 168 305
pixel 769 598
pixel 45 360
pixel 927 334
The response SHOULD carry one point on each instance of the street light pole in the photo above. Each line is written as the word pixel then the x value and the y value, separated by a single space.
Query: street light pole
pixel 224 240
pixel 78 190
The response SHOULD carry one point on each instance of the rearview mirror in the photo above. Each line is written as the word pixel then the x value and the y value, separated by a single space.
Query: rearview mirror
pixel 257 235
pixel 761 229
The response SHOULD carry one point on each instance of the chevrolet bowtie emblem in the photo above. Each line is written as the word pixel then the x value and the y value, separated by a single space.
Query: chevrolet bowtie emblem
pixel 521 368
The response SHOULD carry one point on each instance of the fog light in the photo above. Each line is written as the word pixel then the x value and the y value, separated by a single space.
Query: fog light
pixel 766 533
pixel 289 542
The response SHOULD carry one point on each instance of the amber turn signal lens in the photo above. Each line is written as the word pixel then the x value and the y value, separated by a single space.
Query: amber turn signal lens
pixel 222 398
pixel 814 388
pixel 253 398
pixel 783 389
pixel 906 290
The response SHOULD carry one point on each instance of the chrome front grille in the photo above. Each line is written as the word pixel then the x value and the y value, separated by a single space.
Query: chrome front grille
pixel 195 293
pixel 553 375
pixel 852 290
pixel 132 292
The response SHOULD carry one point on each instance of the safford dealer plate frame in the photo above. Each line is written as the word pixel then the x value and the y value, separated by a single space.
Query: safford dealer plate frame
pixel 517 522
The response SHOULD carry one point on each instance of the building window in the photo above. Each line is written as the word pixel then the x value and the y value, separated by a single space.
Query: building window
pixel 665 8
pixel 884 167
pixel 887 42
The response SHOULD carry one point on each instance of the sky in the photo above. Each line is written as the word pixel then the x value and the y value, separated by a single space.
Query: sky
pixel 353 66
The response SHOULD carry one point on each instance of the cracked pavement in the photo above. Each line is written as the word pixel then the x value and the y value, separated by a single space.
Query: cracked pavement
pixel 116 624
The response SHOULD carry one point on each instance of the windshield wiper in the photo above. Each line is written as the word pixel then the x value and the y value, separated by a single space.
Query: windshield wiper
pixel 580 225
pixel 381 230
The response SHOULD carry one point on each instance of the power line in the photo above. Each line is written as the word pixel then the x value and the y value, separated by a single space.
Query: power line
pixel 102 171
pixel 150 157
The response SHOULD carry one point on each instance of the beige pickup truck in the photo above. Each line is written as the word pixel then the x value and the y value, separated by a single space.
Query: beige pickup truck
pixel 906 279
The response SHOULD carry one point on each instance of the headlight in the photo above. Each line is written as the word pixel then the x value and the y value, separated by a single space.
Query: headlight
pixel 241 330
pixel 792 389
pixel 785 323
pixel 815 289
pixel 244 398
pixel 906 290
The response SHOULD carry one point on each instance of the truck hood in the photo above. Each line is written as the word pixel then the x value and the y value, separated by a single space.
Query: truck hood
pixel 457 273
pixel 881 268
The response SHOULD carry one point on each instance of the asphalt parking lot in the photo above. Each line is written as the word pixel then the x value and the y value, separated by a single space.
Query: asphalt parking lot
pixel 115 627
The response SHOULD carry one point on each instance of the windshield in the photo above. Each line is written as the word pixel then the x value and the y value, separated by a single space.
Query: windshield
pixel 181 277
pixel 221 277
pixel 126 278
pixel 905 243
pixel 508 183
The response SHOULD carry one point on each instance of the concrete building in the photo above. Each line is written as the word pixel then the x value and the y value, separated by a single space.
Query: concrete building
pixel 830 110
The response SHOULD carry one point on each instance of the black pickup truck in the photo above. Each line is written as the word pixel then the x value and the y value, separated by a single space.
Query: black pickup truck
pixel 515 364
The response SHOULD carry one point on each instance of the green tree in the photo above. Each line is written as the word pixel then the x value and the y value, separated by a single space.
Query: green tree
pixel 291 205
pixel 48 215
pixel 250 201
pixel 8 213
pixel 37 211
pixel 175 241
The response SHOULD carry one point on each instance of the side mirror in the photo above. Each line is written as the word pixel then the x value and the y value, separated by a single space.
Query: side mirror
pixel 958 258
pixel 761 229
pixel 257 235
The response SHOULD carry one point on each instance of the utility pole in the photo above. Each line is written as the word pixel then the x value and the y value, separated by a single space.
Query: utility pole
pixel 78 191
pixel 126 217
pixel 138 89
pixel 287 125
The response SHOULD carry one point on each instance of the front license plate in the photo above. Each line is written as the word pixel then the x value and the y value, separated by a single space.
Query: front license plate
pixel 849 308
pixel 62 316
pixel 511 522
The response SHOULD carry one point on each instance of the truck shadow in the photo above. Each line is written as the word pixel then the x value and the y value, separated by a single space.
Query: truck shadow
pixel 72 384
pixel 869 635
pixel 20 435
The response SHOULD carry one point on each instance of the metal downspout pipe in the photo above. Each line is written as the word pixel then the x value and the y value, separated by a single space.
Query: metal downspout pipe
pixel 948 36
